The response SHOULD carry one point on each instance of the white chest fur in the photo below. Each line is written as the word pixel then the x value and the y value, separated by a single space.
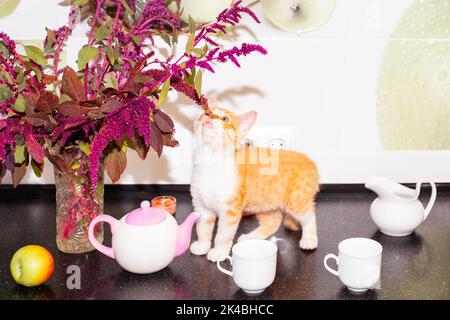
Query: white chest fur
pixel 214 183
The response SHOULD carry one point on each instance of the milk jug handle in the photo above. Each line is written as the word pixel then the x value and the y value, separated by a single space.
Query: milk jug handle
pixel 432 198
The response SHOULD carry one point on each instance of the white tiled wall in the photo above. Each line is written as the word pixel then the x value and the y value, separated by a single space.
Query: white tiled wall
pixel 322 83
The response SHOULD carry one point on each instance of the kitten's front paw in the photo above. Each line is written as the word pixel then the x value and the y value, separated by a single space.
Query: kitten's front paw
pixel 200 248
pixel 217 253
pixel 309 243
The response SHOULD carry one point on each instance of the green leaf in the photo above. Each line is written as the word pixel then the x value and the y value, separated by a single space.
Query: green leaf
pixel 4 49
pixel 164 91
pixel 7 76
pixel 21 80
pixel 201 52
pixel 80 2
pixel 198 83
pixel 20 154
pixel 19 106
pixel 110 55
pixel 116 52
pixel 37 169
pixel 166 39
pixel 111 80
pixel 191 78
pixel 127 7
pixel 75 165
pixel 137 40
pixel 36 54
pixel 175 38
pixel 192 25
pixel 51 40
pixel 85 148
pixel 5 93
pixel 104 31
pixel 86 54
pixel 37 72
pixel 190 43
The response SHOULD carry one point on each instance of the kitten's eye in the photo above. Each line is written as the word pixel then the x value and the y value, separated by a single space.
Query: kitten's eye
pixel 225 119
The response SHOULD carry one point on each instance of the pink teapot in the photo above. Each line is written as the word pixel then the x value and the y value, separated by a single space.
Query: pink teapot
pixel 145 240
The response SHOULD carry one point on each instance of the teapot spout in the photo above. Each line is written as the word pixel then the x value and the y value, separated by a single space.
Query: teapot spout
pixel 386 188
pixel 184 234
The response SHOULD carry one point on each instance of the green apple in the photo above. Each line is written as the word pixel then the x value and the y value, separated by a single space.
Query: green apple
pixel 32 265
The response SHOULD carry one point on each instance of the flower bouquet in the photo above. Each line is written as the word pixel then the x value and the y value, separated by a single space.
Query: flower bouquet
pixel 85 120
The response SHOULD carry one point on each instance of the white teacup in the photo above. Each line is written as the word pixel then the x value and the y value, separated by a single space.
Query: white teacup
pixel 254 265
pixel 359 263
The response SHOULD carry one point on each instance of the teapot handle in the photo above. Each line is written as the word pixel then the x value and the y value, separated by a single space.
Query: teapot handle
pixel 432 198
pixel 97 245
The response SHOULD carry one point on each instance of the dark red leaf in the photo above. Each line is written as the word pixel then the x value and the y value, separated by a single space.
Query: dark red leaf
pixel 110 104
pixel 137 144
pixel 2 172
pixel 3 123
pixel 37 119
pixel 72 109
pixel 34 148
pixel 163 121
pixel 71 85
pixel 108 92
pixel 30 102
pixel 75 124
pixel 115 164
pixel 9 161
pixel 169 140
pixel 92 103
pixel 132 87
pixel 48 79
pixel 17 174
pixel 156 139
pixel 47 102
pixel 57 160
pixel 95 114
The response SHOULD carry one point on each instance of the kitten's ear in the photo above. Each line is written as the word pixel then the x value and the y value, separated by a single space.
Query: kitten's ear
pixel 246 121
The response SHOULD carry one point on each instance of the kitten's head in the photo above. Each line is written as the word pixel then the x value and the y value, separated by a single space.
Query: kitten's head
pixel 223 128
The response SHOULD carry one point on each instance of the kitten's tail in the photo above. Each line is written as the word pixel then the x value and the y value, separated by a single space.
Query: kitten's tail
pixel 290 223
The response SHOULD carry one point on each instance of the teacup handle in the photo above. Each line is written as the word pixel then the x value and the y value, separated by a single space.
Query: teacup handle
pixel 432 198
pixel 221 259
pixel 97 245
pixel 325 260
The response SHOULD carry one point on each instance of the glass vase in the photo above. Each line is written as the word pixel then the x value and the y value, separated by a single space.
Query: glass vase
pixel 77 204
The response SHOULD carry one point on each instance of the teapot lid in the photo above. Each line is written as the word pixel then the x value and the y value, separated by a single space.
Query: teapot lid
pixel 145 215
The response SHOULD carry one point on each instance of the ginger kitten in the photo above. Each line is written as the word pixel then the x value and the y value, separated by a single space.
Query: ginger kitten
pixel 229 181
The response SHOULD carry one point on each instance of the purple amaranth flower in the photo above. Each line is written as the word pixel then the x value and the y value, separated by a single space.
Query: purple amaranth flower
pixel 179 84
pixel 8 136
pixel 133 4
pixel 114 128
pixel 157 14
pixel 141 115
pixel 10 44
pixel 67 125
pixel 235 52
pixel 230 16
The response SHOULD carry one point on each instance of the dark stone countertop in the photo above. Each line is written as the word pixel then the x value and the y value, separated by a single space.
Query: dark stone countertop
pixel 413 267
